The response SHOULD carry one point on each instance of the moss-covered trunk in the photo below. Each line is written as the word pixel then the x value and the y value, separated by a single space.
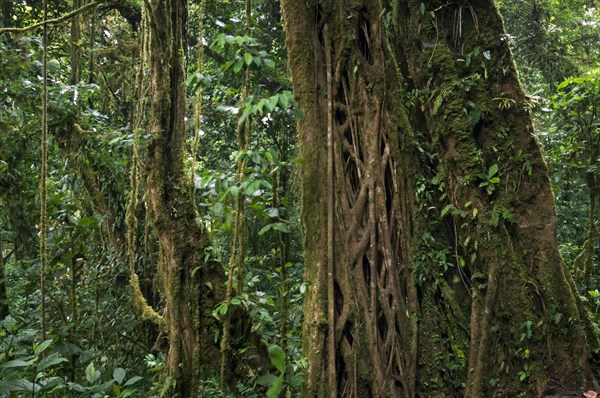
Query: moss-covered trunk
pixel 181 242
pixel 442 273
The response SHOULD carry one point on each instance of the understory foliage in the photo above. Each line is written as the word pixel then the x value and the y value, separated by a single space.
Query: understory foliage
pixel 418 221
pixel 97 342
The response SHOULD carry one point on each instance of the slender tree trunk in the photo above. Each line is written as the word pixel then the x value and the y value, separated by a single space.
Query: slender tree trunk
pixel 589 247
pixel 181 242
pixel 4 309
pixel 7 13
pixel 444 234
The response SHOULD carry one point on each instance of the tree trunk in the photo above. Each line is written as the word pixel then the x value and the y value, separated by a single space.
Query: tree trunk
pixel 589 247
pixel 7 13
pixel 4 309
pixel 442 274
pixel 180 240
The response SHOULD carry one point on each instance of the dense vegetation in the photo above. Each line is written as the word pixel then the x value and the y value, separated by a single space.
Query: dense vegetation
pixel 144 180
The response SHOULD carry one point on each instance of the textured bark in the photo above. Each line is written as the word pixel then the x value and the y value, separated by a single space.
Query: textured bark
pixel 363 342
pixel 447 277
pixel 181 242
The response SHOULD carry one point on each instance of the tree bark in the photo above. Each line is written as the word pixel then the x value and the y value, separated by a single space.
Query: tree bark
pixel 447 277
pixel 181 242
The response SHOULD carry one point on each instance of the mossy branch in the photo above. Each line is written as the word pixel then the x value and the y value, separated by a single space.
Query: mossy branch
pixel 55 20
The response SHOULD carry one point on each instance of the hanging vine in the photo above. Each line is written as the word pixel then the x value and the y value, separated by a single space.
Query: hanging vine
pixel 330 221
pixel 198 104
pixel 139 300
pixel 44 173
pixel 238 251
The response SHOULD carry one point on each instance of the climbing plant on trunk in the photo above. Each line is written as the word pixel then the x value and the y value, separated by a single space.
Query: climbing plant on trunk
pixel 430 242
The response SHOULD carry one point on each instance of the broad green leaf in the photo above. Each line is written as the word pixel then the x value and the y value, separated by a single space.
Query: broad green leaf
pixel 281 227
pixel 266 380
pixel 18 385
pixel 266 184
pixel 221 309
pixel 284 100
pixel 265 229
pixel 274 156
pixel 15 363
pixel 446 209
pixel 91 374
pixel 261 104
pixel 271 103
pixel 269 63
pixel 39 348
pixel 9 386
pixel 277 357
pixel 237 67
pixel 296 381
pixel 128 392
pixel 252 188
pixel 275 389
pixel 76 387
pixel 119 375
pixel 248 58
pixel 563 85
pixel 51 360
pixel 493 170
pixel 132 381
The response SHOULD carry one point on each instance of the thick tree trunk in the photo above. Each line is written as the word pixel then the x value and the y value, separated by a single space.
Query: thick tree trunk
pixel 444 275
